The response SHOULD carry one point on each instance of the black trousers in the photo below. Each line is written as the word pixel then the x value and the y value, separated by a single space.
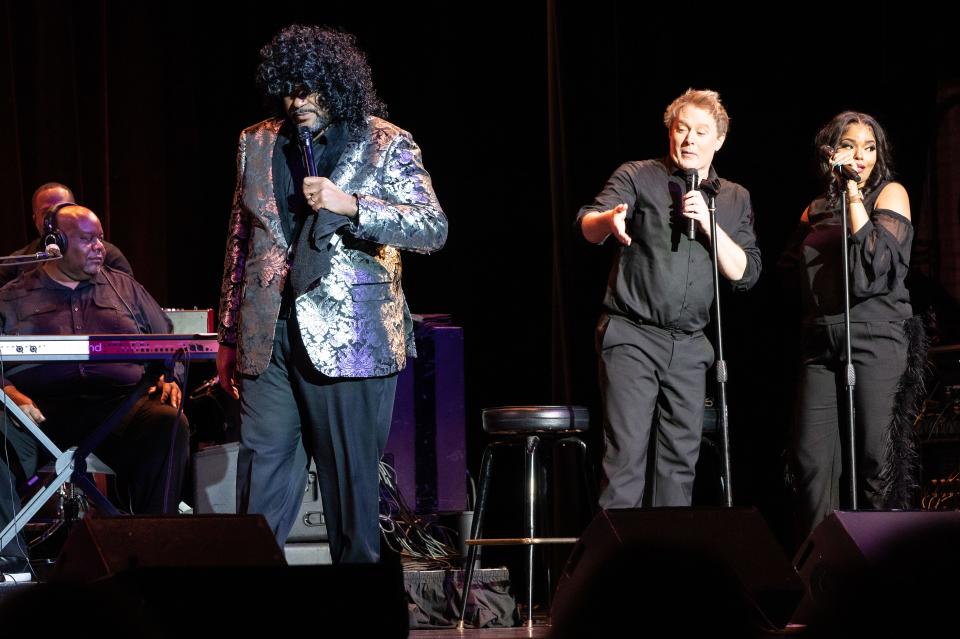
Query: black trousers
pixel 645 370
pixel 137 451
pixel 291 412
pixel 879 352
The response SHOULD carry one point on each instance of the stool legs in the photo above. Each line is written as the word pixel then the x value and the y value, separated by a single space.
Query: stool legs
pixel 476 529
pixel 530 467
pixel 589 483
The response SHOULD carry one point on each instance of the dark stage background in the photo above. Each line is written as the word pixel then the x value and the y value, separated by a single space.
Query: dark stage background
pixel 522 110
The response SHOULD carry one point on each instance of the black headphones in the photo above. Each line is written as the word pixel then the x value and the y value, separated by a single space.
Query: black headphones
pixel 51 232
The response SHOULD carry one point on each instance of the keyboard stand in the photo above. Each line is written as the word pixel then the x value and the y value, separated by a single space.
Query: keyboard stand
pixel 71 464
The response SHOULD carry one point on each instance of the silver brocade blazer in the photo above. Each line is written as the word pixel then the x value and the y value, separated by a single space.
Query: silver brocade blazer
pixel 355 322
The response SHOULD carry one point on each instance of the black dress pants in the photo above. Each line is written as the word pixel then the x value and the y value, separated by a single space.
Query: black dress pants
pixel 645 369
pixel 879 352
pixel 291 412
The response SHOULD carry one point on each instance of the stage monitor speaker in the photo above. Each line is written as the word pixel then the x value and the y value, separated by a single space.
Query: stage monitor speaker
pixel 102 546
pixel 689 568
pixel 888 568
pixel 215 491
pixel 217 601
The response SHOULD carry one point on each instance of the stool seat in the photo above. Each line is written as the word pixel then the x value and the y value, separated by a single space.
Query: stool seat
pixel 536 420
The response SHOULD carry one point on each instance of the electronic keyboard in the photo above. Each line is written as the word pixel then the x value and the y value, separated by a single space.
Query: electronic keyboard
pixel 106 348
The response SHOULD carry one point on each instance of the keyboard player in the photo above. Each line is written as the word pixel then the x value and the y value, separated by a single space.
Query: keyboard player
pixel 149 448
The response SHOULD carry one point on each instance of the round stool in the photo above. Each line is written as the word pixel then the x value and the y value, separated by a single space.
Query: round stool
pixel 526 426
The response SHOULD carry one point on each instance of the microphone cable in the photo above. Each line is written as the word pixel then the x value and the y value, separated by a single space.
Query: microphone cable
pixel 168 473
pixel 133 316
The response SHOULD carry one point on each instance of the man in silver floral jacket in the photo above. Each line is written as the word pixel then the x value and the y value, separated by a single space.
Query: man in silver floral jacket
pixel 314 326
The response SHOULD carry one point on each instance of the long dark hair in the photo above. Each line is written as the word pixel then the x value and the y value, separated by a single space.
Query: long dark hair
pixel 320 60
pixel 831 134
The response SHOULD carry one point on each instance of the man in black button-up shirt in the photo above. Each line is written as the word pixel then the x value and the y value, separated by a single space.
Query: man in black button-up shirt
pixel 78 295
pixel 653 352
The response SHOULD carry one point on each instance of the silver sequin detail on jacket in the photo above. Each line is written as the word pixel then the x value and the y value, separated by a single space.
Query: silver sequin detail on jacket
pixel 355 321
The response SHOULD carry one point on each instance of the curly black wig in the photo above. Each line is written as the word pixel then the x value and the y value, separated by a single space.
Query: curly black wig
pixel 831 134
pixel 320 60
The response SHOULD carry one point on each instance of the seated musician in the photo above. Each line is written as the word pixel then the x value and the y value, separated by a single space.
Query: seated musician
pixel 78 295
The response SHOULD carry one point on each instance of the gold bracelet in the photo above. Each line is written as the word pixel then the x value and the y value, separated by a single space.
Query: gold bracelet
pixel 857 198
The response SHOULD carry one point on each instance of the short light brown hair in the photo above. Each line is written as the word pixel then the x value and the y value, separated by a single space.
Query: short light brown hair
pixel 709 101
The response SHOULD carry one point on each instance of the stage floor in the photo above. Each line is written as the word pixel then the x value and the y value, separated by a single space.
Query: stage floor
pixel 536 632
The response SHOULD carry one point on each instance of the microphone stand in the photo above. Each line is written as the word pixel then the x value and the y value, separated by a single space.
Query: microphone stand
pixel 29 258
pixel 849 372
pixel 711 187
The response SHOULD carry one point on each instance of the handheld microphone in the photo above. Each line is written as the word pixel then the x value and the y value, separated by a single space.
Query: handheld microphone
pixel 693 182
pixel 845 171
pixel 306 144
